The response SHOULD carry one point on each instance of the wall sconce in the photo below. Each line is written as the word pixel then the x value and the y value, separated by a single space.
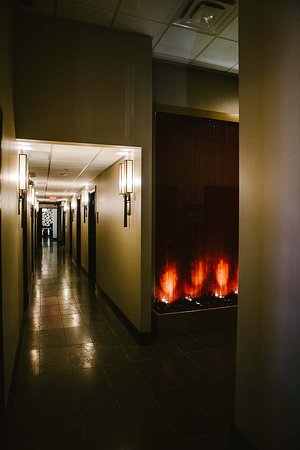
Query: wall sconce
pixel 73 207
pixel 126 186
pixel 23 185
pixel 85 202
pixel 73 203
pixel 65 206
pixel 36 204
pixel 32 195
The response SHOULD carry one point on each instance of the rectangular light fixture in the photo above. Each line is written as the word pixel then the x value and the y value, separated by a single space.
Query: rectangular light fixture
pixel 126 185
pixel 85 202
pixel 129 176
pixel 23 172
pixel 85 196
pixel 73 203
pixel 23 185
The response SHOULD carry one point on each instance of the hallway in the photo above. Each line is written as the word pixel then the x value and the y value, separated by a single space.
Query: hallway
pixel 84 383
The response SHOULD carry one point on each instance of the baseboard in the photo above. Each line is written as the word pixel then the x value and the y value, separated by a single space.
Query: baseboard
pixel 141 338
pixel 238 441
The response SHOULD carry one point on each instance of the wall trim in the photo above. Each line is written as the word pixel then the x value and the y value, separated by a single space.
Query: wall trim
pixel 141 338
pixel 186 111
pixel 238 441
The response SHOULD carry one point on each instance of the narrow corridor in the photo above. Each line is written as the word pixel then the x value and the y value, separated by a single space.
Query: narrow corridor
pixel 83 383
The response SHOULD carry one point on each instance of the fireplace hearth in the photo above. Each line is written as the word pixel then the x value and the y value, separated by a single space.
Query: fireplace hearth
pixel 208 300
pixel 196 231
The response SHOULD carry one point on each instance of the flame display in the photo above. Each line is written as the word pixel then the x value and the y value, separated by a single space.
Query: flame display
pixel 212 275
pixel 198 273
pixel 168 283
pixel 222 273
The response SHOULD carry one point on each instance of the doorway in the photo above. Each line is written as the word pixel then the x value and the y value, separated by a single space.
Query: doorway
pixel 48 223
pixel 92 237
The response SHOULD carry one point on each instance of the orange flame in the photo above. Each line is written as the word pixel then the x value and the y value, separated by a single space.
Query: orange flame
pixel 209 275
pixel 222 273
pixel 168 283
pixel 198 274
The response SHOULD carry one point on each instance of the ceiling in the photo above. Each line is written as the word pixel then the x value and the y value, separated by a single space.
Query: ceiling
pixel 194 33
pixel 61 170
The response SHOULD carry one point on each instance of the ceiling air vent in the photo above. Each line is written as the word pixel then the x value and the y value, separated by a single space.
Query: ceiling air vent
pixel 207 17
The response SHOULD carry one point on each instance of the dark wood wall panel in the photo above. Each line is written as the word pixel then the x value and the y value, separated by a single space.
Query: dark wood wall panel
pixel 197 178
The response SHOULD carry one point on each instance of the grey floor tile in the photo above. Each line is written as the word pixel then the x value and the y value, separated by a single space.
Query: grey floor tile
pixel 84 383
pixel 52 338
pixel 156 374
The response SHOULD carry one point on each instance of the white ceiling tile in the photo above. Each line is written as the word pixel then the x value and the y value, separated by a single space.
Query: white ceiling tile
pixel 64 164
pixel 221 53
pixel 231 31
pixel 182 43
pixel 234 69
pixel 75 153
pixel 28 146
pixel 162 11
pixel 83 13
pixel 143 26
pixel 57 183
pixel 38 175
pixel 34 156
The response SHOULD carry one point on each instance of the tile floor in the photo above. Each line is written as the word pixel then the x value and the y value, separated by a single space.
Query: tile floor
pixel 84 383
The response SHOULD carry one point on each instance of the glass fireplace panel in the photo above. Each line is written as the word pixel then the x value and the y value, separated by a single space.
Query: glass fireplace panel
pixel 196 233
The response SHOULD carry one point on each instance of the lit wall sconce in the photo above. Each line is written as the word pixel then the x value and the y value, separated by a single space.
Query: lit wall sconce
pixel 31 193
pixel 65 206
pixel 85 202
pixel 32 196
pixel 126 186
pixel 73 203
pixel 36 204
pixel 73 206
pixel 23 185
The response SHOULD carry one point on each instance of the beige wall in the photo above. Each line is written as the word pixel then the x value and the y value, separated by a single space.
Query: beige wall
pixel 118 266
pixel 268 358
pixel 81 83
pixel 11 238
pixel 193 88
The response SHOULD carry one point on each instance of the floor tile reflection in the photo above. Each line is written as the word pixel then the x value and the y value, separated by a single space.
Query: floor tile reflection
pixel 84 383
